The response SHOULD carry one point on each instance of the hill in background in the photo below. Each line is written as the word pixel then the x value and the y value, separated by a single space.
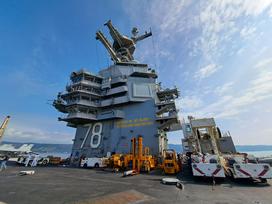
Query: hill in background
pixel 46 148
pixel 66 148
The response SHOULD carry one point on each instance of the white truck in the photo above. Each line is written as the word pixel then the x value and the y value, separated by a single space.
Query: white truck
pixel 207 166
pixel 239 167
pixel 94 162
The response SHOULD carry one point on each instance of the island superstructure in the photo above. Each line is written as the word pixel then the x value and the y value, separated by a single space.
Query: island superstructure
pixel 118 103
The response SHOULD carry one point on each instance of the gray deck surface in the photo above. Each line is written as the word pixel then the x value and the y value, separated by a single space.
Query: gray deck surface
pixel 82 186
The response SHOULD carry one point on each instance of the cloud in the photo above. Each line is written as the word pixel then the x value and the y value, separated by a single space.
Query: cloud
pixel 240 51
pixel 37 128
pixel 206 71
pixel 172 13
pixel 217 17
pixel 36 135
pixel 264 63
pixel 202 29
pixel 247 32
pixel 220 90
pixel 255 7
pixel 189 102
pixel 228 106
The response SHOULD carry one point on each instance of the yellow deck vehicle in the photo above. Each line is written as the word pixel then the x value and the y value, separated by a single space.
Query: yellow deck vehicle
pixel 116 161
pixel 142 162
pixel 137 160
pixel 170 164
pixel 54 160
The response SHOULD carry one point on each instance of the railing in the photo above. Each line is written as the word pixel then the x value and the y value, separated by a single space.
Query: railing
pixel 83 102
pixel 166 108
pixel 118 79
pixel 117 90
pixel 106 84
pixel 143 71
pixel 168 123
pixel 78 115
pixel 113 101
pixel 111 114
pixel 90 83
pixel 81 89
pixel 167 116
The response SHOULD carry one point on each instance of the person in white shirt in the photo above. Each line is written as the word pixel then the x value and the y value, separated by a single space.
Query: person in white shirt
pixel 27 159
pixel 3 163
pixel 35 161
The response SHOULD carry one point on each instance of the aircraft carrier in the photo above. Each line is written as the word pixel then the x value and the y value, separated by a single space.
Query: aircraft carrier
pixel 108 109
pixel 118 103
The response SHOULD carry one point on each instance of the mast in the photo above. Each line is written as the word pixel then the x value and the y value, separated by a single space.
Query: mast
pixel 106 43
pixel 123 47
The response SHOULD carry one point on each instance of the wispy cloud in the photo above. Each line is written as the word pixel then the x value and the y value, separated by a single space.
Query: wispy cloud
pixel 203 29
pixel 206 71
pixel 240 51
pixel 189 102
pixel 247 32
pixel 228 106
pixel 255 7
pixel 220 90
pixel 30 134
pixel 264 63
pixel 37 128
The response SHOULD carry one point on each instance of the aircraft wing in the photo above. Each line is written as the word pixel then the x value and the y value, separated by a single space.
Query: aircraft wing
pixel 11 149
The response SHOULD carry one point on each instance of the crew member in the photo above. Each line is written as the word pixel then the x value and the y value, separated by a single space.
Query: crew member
pixel 27 159
pixel 4 163
pixel 35 161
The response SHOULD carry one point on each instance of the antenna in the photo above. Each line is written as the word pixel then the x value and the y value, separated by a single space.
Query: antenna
pixel 154 51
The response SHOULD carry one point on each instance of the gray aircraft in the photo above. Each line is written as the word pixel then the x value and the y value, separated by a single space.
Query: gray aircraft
pixel 11 151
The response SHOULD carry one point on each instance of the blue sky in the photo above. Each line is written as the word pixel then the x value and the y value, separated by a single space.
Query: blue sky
pixel 218 53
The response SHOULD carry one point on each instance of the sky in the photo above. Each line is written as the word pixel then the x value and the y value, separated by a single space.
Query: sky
pixel 218 53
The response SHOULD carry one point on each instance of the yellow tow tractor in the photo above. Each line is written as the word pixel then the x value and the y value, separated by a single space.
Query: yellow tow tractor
pixel 170 164
pixel 115 161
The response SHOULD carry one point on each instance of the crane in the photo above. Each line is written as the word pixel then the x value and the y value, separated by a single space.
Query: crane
pixel 3 127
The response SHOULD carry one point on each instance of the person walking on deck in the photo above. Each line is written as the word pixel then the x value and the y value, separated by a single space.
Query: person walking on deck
pixel 27 160
pixel 4 163
pixel 35 161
